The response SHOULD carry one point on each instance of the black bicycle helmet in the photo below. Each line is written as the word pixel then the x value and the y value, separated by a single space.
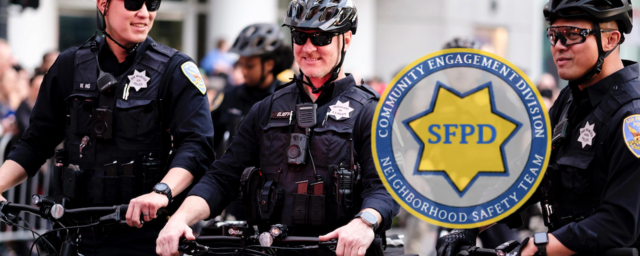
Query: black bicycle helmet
pixel 258 39
pixel 462 43
pixel 597 11
pixel 327 15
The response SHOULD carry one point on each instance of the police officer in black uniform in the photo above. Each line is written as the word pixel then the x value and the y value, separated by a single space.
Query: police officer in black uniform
pixel 135 124
pixel 311 141
pixel 590 195
pixel 263 55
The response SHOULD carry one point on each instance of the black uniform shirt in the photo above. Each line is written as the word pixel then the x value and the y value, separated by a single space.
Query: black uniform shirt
pixel 220 184
pixel 190 120
pixel 610 184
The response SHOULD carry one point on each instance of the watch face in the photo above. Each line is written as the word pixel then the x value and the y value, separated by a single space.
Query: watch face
pixel 540 238
pixel 369 217
pixel 161 187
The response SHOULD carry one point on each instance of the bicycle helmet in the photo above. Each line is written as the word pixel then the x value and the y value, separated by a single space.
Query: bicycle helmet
pixel 337 16
pixel 257 39
pixel 597 11
pixel 327 15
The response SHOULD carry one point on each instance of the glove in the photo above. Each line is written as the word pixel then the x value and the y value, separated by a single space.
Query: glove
pixel 449 245
pixel 518 250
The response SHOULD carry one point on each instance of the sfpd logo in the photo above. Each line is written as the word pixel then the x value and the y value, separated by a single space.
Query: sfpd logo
pixel 462 138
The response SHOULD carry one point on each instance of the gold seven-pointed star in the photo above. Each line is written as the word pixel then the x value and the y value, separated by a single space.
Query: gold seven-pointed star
pixel 461 136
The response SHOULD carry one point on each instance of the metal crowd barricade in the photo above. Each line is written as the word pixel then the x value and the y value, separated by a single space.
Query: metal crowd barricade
pixel 21 194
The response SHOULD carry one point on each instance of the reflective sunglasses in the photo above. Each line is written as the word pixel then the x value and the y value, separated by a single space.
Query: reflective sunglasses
pixel 317 38
pixel 570 35
pixel 135 5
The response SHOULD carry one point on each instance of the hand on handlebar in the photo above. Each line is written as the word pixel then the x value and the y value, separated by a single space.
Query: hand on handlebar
pixel 353 239
pixel 2 198
pixel 167 242
pixel 449 245
pixel 147 206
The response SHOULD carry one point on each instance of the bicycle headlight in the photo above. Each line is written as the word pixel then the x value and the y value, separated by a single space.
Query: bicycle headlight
pixel 266 239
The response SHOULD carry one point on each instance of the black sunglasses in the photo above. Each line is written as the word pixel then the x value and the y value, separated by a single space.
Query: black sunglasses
pixel 135 5
pixel 570 35
pixel 317 38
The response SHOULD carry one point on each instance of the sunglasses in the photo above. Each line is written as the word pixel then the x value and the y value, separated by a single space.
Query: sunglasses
pixel 317 38
pixel 570 35
pixel 135 5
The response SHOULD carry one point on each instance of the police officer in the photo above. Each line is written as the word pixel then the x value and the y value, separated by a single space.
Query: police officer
pixel 135 124
pixel 309 197
pixel 263 55
pixel 590 194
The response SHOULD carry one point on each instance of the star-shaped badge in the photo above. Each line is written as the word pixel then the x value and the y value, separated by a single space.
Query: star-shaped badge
pixel 587 134
pixel 138 80
pixel 340 110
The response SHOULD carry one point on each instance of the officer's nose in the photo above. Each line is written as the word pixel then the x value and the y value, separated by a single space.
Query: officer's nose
pixel 143 12
pixel 308 46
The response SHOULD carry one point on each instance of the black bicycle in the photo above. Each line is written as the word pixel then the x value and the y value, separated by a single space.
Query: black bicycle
pixel 238 238
pixel 67 223
pixel 511 249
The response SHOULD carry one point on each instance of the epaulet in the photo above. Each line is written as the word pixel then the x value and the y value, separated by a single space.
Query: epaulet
pixel 369 90
pixel 284 85
pixel 163 49
pixel 284 89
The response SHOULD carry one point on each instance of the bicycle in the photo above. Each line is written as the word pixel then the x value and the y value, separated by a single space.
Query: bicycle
pixel 69 220
pixel 238 238
pixel 511 248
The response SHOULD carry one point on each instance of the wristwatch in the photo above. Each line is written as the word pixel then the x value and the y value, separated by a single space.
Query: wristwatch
pixel 541 239
pixel 164 189
pixel 369 218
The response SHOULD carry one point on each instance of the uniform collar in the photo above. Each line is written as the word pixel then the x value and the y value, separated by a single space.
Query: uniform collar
pixel 330 91
pixel 107 56
pixel 598 90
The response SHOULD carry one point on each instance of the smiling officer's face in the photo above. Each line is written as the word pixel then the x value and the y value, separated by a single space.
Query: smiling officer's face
pixel 127 27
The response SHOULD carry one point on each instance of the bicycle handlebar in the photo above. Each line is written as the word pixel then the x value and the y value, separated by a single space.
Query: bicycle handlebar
pixel 476 251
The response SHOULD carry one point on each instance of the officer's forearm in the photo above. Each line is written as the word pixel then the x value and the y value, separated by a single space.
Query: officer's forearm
pixel 555 247
pixel 178 179
pixel 192 210
pixel 11 174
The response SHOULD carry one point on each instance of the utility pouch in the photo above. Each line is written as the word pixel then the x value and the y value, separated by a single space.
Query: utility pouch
pixel 299 214
pixel 111 184
pixel 271 199
pixel 250 183
pixel 316 210
pixel 150 172
pixel 58 170
pixel 74 183
pixel 128 183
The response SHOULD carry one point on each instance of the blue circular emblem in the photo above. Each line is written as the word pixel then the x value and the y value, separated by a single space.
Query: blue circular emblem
pixel 461 138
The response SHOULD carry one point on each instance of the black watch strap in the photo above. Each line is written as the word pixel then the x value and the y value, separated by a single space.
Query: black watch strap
pixel 542 250
pixel 166 191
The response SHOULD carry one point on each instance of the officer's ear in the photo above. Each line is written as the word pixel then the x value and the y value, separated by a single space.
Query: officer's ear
pixel 347 40
pixel 103 6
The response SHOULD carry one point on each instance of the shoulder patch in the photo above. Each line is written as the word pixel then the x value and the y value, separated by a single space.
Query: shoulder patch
pixel 192 72
pixel 217 101
pixel 631 132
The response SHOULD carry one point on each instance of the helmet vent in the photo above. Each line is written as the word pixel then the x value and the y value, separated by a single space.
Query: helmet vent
pixel 299 11
pixel 312 13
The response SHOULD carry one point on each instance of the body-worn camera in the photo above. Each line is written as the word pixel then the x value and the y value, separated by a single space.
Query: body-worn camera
pixel 101 121
pixel 297 150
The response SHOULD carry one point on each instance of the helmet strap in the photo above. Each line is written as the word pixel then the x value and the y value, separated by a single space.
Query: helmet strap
pixel 102 25
pixel 602 55
pixel 335 72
